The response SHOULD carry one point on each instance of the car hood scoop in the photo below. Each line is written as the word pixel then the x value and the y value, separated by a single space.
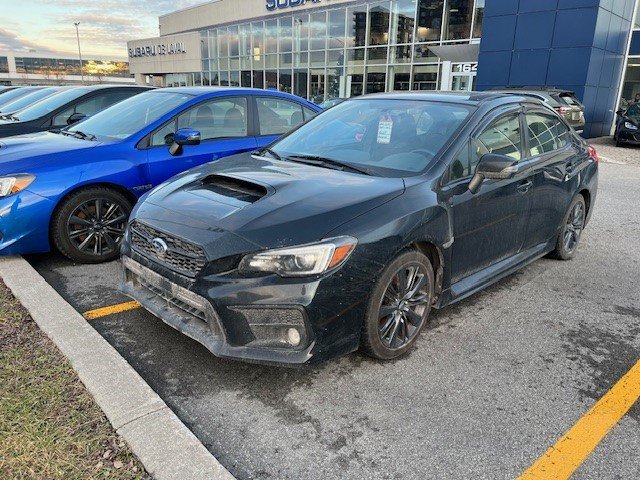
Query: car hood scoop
pixel 236 188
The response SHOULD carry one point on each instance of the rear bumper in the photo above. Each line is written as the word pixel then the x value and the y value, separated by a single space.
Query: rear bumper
pixel 249 319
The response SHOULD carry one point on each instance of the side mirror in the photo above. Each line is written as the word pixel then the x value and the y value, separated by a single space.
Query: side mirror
pixel 75 118
pixel 620 112
pixel 492 166
pixel 184 136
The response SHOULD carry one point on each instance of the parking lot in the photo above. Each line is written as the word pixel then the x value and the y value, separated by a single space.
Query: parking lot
pixel 494 382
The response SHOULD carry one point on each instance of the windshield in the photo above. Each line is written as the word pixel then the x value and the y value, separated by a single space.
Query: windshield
pixel 130 116
pixel 27 100
pixel 50 104
pixel 387 137
pixel 12 95
pixel 634 111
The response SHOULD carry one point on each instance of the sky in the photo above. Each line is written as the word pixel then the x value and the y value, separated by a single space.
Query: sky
pixel 105 25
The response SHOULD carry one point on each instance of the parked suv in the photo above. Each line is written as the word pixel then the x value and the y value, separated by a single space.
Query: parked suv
pixel 564 102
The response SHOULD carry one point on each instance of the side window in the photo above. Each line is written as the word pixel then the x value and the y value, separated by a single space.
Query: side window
pixel 546 133
pixel 278 116
pixel 564 135
pixel 460 167
pixel 308 113
pixel 503 137
pixel 164 136
pixel 60 120
pixel 223 118
pixel 101 102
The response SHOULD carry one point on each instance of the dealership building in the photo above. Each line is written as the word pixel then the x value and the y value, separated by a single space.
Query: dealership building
pixel 30 67
pixel 322 49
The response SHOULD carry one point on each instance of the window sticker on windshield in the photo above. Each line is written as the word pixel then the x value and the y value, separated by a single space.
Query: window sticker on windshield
pixel 385 127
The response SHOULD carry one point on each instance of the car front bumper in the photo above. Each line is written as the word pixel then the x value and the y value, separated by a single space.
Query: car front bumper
pixel 265 319
pixel 24 223
pixel 630 137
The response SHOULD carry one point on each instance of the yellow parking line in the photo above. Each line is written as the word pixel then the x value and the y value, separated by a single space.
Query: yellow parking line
pixel 112 310
pixel 564 458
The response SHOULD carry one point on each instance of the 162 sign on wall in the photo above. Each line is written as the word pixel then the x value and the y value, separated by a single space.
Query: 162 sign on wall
pixel 279 4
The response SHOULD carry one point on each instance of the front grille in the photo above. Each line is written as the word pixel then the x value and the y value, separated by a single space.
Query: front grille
pixel 182 256
pixel 169 300
pixel 183 306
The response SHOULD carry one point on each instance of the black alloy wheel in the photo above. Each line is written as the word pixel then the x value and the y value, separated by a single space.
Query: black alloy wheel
pixel 399 306
pixel 90 225
pixel 571 233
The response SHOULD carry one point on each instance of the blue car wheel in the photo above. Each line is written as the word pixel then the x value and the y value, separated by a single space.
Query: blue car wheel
pixel 89 225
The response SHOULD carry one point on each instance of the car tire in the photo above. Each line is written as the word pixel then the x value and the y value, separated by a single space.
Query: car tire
pixel 395 314
pixel 88 226
pixel 572 227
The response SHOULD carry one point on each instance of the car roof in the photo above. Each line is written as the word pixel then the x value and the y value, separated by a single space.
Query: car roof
pixel 91 88
pixel 212 89
pixel 200 91
pixel 465 98
pixel 536 91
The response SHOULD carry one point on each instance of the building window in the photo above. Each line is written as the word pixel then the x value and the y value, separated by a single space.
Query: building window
pixel 58 68
pixel 4 65
pixel 357 26
pixel 285 31
pixel 379 18
pixel 430 13
pixel 631 86
pixel 403 21
pixel 479 17
pixel 318 31
pixel 459 17
pixel 376 79
pixel 425 77
pixel 336 28
pixel 271 36
pixel 399 77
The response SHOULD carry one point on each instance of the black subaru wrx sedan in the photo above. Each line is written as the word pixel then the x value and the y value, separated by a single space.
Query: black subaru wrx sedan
pixel 345 233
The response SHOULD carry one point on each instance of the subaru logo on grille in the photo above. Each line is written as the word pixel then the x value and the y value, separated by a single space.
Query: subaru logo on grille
pixel 159 247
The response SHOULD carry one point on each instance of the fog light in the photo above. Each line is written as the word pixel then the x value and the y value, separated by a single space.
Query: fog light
pixel 294 337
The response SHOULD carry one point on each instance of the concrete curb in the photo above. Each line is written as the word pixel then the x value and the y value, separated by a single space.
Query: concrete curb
pixel 164 445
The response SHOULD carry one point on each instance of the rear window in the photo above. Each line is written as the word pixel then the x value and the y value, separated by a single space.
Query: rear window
pixel 569 99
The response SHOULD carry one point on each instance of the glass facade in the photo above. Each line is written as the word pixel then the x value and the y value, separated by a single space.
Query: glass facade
pixel 338 52
pixel 59 67
pixel 631 84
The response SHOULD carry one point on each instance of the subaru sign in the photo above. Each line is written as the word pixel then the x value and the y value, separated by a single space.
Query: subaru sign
pixel 281 4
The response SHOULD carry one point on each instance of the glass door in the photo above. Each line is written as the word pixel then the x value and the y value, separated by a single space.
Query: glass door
pixel 461 83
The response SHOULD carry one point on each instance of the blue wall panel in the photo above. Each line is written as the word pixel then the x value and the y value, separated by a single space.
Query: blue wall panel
pixel 573 44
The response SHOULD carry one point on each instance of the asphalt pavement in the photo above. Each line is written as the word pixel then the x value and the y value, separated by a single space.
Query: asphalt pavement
pixel 490 386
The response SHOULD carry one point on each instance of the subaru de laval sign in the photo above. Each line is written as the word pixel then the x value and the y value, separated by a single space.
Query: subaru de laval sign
pixel 281 4
pixel 162 49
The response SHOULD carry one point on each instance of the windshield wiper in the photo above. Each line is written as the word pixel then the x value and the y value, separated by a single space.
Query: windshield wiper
pixel 269 151
pixel 81 135
pixel 319 161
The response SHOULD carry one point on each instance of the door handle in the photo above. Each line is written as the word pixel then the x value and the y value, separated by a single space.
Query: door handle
pixel 525 186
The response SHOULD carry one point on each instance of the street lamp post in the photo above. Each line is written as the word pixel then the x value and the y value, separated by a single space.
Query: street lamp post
pixel 79 51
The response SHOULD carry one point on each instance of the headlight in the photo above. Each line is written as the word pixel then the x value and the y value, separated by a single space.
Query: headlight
pixel 303 260
pixel 630 126
pixel 15 184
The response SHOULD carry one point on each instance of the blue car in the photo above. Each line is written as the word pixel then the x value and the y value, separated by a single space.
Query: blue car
pixel 74 190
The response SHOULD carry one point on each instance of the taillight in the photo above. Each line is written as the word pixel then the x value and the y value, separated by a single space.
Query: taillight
pixel 593 154
pixel 563 110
